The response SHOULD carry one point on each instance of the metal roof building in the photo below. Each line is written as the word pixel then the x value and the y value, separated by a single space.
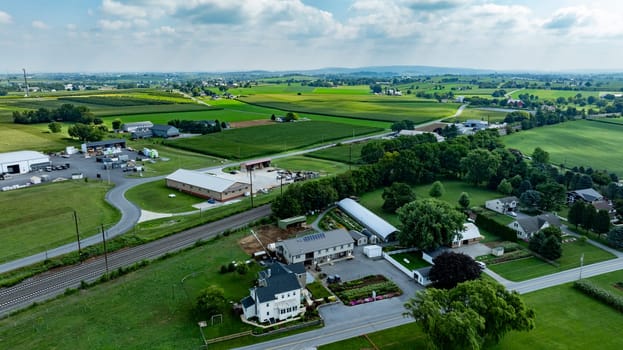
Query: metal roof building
pixel 205 185
pixel 371 221
pixel 21 162
pixel 317 248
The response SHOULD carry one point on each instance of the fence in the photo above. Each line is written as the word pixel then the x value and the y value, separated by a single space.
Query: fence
pixel 398 265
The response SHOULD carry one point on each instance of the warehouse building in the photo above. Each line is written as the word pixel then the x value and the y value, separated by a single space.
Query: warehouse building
pixel 137 126
pixel 21 162
pixel 206 186
pixel 379 227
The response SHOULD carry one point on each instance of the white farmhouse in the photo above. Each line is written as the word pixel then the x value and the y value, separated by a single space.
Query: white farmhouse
pixel 502 205
pixel 277 296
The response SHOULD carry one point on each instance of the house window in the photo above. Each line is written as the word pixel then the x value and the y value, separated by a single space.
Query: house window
pixel 288 295
pixel 267 304
pixel 267 313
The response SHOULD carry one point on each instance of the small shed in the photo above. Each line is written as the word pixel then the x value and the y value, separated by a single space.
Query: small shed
pixel 255 164
pixel 359 238
pixel 373 251
pixel 295 220
pixel 422 276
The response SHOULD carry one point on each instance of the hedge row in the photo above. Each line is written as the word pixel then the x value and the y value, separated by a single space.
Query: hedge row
pixel 488 224
pixel 600 294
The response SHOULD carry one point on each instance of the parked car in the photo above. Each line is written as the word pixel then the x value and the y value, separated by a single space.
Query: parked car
pixel 481 264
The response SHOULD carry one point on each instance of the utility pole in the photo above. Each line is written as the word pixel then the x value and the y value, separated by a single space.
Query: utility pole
pixel 77 235
pixel 105 250
pixel 251 178
pixel 581 264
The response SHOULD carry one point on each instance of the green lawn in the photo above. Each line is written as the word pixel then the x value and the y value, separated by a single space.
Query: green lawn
pixel 577 143
pixel 566 319
pixel 149 309
pixel 268 139
pixel 17 137
pixel 154 196
pixel 478 195
pixel 414 258
pixel 41 217
pixel 346 153
pixel 299 163
pixel 480 114
pixel 525 269
pixel 544 94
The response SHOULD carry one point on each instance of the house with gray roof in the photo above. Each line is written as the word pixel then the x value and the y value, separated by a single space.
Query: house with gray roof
pixel 588 195
pixel 375 224
pixel 277 294
pixel 530 225
pixel 317 248
pixel 205 185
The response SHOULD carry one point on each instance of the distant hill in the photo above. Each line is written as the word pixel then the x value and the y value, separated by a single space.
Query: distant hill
pixel 393 70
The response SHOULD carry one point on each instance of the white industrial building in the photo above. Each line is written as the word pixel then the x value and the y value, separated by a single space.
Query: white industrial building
pixel 206 185
pixel 21 162
pixel 137 126
pixel 379 227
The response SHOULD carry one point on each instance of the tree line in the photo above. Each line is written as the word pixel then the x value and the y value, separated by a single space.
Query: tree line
pixel 65 113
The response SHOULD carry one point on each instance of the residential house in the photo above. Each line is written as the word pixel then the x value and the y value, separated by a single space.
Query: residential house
pixel 528 226
pixel 515 103
pixel 277 295
pixel 502 205
pixel 587 195
pixel 476 124
pixel 359 238
pixel 607 206
pixel 318 248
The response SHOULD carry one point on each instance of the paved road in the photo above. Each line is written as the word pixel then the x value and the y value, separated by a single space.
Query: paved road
pixel 53 283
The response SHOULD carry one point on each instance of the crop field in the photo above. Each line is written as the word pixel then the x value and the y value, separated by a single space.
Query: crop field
pixel 267 139
pixel 577 143
pixel 41 217
pixel 344 90
pixel 544 94
pixel 344 153
pixel 381 108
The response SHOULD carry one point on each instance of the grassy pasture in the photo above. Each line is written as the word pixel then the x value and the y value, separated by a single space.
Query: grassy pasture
pixel 381 108
pixel 154 196
pixel 344 153
pixel 480 114
pixel 16 137
pixel 267 139
pixel 577 143
pixel 300 163
pixel 524 269
pixel 344 90
pixel 149 309
pixel 41 217
pixel 553 94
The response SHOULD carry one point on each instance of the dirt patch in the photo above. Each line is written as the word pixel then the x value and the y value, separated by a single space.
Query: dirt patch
pixel 249 123
pixel 267 234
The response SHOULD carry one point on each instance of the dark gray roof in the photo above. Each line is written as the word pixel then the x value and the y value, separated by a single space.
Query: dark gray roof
pixel 279 279
pixel 531 224
pixel 247 302
pixel 316 241
pixel 424 271
pixel 162 127
pixel 106 142
pixel 507 200
pixel 356 235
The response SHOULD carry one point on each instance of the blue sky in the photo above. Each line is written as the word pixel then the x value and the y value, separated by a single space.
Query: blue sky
pixel 218 35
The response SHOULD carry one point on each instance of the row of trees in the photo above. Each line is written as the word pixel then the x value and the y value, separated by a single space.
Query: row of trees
pixel 65 113
pixel 585 215
pixel 197 126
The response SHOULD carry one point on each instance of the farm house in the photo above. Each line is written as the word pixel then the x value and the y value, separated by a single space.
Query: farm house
pixel 205 185
pixel 371 221
pixel 21 162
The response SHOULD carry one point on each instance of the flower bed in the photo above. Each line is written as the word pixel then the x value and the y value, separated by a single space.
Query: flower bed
pixel 360 291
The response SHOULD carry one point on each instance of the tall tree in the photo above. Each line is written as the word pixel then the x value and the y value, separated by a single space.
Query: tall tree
pixel 397 195
pixel 553 195
pixel 479 165
pixel 464 200
pixel 429 223
pixel 450 269
pixel 575 213
pixel 601 221
pixel 211 301
pixel 505 187
pixel 469 315
pixel 539 156
pixel 530 200
pixel 55 127
pixel 615 237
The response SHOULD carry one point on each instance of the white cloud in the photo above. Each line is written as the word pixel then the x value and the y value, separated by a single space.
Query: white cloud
pixel 584 22
pixel 165 30
pixel 114 24
pixel 39 25
pixel 5 18
pixel 71 26
pixel 117 8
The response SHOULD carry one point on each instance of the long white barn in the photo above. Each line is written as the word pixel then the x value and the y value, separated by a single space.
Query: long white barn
pixel 374 223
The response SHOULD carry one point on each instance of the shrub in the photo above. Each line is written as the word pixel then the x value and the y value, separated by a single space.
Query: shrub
pixel 488 224
pixel 600 294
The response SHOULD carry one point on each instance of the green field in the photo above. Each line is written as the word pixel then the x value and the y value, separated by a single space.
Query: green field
pixel 41 217
pixel 544 94
pixel 478 195
pixel 414 258
pixel 577 143
pixel 154 196
pixel 525 269
pixel 149 309
pixel 381 108
pixel 480 114
pixel 344 153
pixel 268 139
pixel 301 163
pixel 17 137
pixel 565 319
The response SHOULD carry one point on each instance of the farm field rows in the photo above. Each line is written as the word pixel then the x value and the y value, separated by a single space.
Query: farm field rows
pixel 576 143
pixel 41 217
pixel 544 94
pixel 268 139
pixel 344 153
pixel 381 108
